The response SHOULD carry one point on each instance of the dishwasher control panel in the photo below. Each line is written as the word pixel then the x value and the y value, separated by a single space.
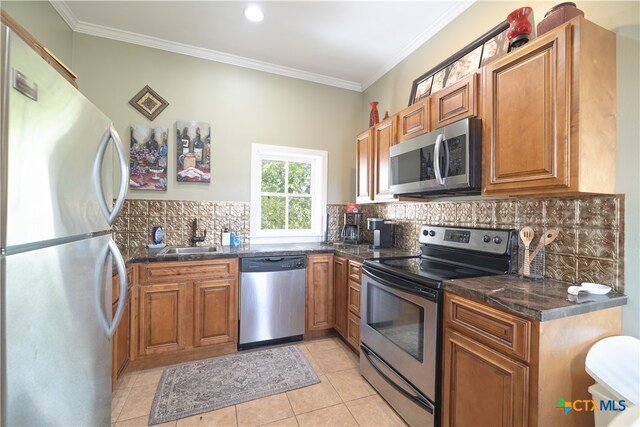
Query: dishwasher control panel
pixel 277 263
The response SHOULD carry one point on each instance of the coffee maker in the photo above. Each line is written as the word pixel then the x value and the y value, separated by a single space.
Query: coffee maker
pixel 382 233
pixel 351 229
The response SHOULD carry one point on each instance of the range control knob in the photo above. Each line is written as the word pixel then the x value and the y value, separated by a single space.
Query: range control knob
pixel 425 233
pixel 486 238
pixel 497 240
pixel 432 233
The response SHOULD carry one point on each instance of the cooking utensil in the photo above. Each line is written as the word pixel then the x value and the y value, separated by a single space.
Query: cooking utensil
pixel 526 235
pixel 549 237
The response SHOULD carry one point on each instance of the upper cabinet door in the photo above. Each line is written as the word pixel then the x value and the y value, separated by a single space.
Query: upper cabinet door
pixel 456 102
pixel 548 113
pixel 414 120
pixel 525 116
pixel 383 138
pixel 364 152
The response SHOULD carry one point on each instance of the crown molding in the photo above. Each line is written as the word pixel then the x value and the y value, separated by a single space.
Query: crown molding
pixel 456 9
pixel 198 52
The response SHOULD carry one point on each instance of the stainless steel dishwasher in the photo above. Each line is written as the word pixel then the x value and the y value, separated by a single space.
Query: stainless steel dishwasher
pixel 272 300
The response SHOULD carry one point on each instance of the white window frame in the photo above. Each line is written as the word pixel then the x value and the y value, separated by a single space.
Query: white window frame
pixel 318 160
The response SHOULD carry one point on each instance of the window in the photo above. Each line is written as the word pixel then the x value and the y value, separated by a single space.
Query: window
pixel 288 194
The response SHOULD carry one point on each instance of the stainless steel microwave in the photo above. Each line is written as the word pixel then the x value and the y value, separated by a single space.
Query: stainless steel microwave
pixel 445 161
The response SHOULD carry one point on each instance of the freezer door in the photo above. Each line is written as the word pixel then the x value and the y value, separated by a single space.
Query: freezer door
pixel 51 142
pixel 56 366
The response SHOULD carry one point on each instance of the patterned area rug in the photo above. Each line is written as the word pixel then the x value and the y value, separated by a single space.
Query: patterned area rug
pixel 197 387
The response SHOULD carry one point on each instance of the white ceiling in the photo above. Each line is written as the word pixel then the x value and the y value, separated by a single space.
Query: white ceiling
pixel 348 44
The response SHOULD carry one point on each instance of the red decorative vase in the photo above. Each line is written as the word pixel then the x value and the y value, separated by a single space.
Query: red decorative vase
pixel 374 118
pixel 519 26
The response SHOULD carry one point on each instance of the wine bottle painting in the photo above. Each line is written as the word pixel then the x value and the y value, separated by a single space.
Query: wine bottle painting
pixel 193 151
pixel 148 157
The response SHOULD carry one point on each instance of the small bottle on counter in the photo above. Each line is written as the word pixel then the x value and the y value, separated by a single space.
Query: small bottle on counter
pixel 226 237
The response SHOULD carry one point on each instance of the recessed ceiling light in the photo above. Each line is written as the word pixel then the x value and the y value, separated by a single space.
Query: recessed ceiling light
pixel 254 14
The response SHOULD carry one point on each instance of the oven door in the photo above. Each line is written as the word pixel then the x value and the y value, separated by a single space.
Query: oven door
pixel 399 323
pixel 444 160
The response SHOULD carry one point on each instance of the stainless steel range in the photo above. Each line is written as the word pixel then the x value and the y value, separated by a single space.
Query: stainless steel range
pixel 400 327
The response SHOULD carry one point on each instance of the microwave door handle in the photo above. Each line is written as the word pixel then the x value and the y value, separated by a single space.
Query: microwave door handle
pixel 446 160
pixel 436 159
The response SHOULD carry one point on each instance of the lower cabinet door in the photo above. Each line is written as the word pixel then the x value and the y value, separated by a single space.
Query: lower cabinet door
pixel 163 317
pixel 216 312
pixel 481 387
pixel 340 290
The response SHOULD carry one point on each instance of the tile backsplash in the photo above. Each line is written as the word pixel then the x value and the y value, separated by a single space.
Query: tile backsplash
pixel 133 227
pixel 588 248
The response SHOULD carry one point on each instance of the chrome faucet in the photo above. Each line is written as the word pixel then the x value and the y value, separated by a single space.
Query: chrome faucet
pixel 195 236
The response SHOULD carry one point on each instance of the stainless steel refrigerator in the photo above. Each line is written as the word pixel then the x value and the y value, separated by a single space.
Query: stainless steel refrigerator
pixel 56 211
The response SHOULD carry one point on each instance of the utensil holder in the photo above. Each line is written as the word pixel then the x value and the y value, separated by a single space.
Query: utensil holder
pixel 535 257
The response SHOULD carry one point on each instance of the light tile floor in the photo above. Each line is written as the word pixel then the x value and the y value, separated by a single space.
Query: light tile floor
pixel 342 398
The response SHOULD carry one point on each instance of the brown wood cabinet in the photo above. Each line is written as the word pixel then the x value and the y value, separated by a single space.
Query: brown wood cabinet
pixel 384 136
pixel 340 275
pixel 372 161
pixel 548 112
pixel 414 120
pixel 347 279
pixel 185 305
pixel 120 342
pixel 500 369
pixel 320 294
pixel 364 166
pixel 456 102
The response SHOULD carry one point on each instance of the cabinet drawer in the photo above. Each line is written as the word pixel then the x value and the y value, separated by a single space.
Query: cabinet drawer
pixel 186 269
pixel 355 269
pixel 501 331
pixel 456 102
pixel 353 297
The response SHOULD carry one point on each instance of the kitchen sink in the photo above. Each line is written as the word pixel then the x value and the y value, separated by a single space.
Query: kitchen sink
pixel 187 250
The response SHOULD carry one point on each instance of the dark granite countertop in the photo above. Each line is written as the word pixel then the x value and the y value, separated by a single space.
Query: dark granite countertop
pixel 353 252
pixel 535 300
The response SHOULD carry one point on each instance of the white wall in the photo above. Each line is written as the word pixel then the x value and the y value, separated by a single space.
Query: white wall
pixel 621 17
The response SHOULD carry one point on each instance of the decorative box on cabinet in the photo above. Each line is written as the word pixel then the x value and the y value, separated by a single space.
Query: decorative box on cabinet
pixel 456 102
pixel 500 369
pixel 414 120
pixel 186 305
pixel 320 294
pixel 549 114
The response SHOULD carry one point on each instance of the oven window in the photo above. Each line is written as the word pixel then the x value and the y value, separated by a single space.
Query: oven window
pixel 399 320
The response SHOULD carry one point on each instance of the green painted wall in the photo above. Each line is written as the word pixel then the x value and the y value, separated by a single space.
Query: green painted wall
pixel 44 23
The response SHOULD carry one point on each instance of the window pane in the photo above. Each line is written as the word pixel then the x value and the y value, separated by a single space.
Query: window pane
pixel 300 213
pixel 299 178
pixel 273 176
pixel 273 211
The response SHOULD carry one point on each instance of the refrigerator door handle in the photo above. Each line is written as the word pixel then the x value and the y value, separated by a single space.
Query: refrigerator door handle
pixel 110 134
pixel 122 300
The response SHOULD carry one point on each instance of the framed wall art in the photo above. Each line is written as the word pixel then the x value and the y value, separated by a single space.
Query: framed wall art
pixel 148 158
pixel 193 155
pixel 149 103
pixel 464 62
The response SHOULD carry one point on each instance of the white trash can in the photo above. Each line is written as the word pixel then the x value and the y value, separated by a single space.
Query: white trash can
pixel 614 363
